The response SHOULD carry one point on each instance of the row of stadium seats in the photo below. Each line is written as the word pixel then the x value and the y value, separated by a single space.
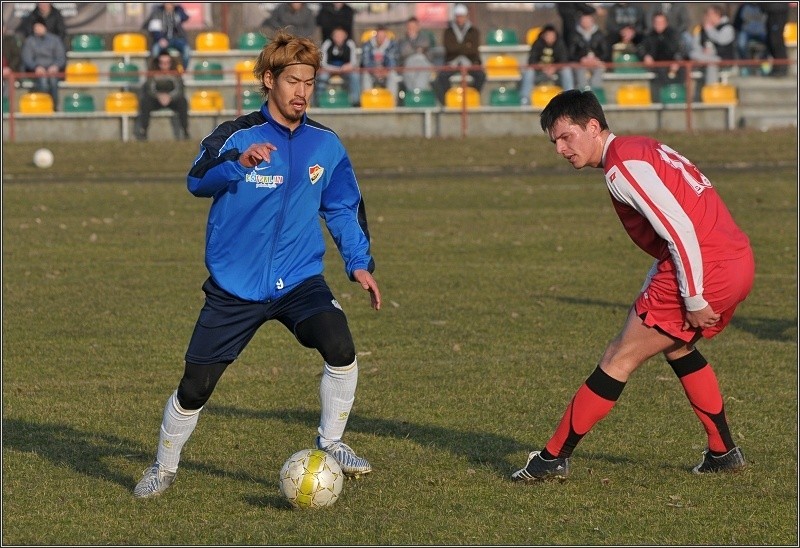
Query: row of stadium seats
pixel 87 72
pixel 136 42
pixel 380 98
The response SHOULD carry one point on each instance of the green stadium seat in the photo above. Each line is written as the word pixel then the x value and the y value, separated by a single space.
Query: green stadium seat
pixel 505 97
pixel 502 37
pixel 87 42
pixel 252 41
pixel 335 98
pixel 420 98
pixel 251 100
pixel 124 72
pixel 79 102
pixel 672 93
pixel 627 58
pixel 600 93
pixel 208 70
pixel 6 104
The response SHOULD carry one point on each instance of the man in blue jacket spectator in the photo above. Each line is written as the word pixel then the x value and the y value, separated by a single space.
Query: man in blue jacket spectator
pixel 43 54
pixel 165 26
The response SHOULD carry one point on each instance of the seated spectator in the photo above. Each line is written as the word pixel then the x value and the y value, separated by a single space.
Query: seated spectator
pixel 750 23
pixel 589 48
pixel 12 58
pixel 43 53
pixel 678 17
pixel 624 27
pixel 414 47
pixel 163 88
pixel 379 56
pixel 714 42
pixel 461 42
pixel 547 49
pixel 340 58
pixel 777 15
pixel 295 17
pixel 52 18
pixel 662 43
pixel 332 15
pixel 165 27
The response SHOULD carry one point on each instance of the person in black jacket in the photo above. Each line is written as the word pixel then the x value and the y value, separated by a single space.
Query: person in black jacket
pixel 332 15
pixel 589 47
pixel 548 49
pixel 570 12
pixel 662 43
pixel 48 14
pixel 777 15
pixel 163 89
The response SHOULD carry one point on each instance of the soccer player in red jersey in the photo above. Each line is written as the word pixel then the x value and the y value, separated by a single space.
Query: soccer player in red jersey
pixel 703 269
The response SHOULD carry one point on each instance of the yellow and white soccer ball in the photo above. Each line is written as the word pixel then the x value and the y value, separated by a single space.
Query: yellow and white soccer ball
pixel 43 158
pixel 311 479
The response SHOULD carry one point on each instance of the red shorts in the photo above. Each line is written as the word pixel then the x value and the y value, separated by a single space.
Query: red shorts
pixel 726 284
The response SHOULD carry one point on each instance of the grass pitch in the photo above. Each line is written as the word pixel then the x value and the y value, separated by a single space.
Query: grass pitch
pixel 504 273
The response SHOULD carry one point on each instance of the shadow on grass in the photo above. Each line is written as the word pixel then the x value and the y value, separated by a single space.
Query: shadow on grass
pixel 479 448
pixel 770 329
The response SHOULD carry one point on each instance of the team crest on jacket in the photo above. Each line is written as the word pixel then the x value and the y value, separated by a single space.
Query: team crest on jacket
pixel 315 172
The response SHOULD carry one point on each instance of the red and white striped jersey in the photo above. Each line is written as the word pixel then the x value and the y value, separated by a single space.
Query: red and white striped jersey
pixel 670 210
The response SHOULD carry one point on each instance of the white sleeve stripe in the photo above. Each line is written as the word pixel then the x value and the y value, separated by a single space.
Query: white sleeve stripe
pixel 646 192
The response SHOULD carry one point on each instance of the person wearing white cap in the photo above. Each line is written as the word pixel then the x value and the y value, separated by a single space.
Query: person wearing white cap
pixel 461 41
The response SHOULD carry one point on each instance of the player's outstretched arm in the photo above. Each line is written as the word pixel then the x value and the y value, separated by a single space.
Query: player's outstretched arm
pixel 368 283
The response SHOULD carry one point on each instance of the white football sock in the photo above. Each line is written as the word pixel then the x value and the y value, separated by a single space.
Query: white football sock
pixel 176 427
pixel 337 391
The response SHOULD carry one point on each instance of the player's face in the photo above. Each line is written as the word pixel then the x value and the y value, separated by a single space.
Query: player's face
pixel 580 147
pixel 290 93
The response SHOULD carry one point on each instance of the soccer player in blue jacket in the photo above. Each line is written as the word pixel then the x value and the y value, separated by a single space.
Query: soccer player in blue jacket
pixel 271 175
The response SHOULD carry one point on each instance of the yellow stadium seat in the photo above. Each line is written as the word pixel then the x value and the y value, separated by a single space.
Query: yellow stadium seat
pixel 206 101
pixel 718 93
pixel 455 97
pixel 502 66
pixel 245 70
pixel 532 35
pixel 82 72
pixel 542 94
pixel 377 98
pixel 212 41
pixel 634 95
pixel 367 35
pixel 124 102
pixel 129 42
pixel 36 103
pixel 790 33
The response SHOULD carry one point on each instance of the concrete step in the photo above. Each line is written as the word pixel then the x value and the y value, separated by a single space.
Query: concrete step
pixel 766 118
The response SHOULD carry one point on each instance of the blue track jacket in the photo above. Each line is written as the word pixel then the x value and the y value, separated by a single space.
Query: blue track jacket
pixel 263 235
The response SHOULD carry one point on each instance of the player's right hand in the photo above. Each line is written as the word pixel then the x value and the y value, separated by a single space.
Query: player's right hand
pixel 256 153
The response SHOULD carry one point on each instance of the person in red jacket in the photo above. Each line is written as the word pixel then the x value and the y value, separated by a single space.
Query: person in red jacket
pixel 703 269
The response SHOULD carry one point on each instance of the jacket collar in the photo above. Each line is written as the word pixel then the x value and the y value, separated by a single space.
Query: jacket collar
pixel 277 125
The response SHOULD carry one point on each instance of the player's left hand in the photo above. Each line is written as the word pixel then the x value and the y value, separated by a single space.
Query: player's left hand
pixel 700 319
pixel 368 283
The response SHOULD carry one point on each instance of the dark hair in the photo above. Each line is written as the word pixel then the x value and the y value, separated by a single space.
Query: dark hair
pixel 578 107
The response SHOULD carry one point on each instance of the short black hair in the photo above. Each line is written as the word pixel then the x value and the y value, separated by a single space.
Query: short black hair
pixel 576 106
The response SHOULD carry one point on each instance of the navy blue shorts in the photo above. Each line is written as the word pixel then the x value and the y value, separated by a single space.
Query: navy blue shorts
pixel 227 323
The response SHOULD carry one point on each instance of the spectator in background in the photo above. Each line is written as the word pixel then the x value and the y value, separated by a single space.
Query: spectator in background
pixel 52 18
pixel 461 42
pixel 625 28
pixel 715 41
pixel 165 27
pixel 570 13
pixel 43 53
pixel 414 47
pixel 12 57
pixel 547 49
pixel 677 16
pixel 750 23
pixel 380 57
pixel 589 48
pixel 662 43
pixel 340 58
pixel 332 15
pixel 777 16
pixel 295 17
pixel 163 88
